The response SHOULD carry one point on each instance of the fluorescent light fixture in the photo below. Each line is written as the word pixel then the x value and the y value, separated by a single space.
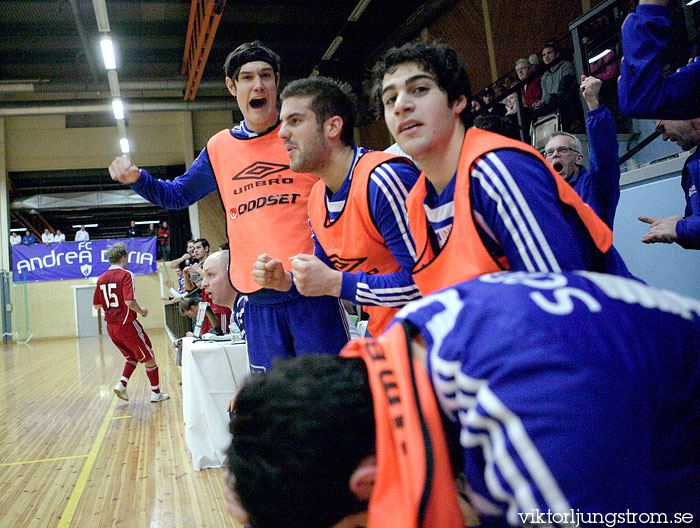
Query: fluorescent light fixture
pixel 121 128
pixel 337 41
pixel 692 2
pixel 599 56
pixel 20 229
pixel 101 14
pixel 118 108
pixel 86 225
pixel 16 87
pixel 146 222
pixel 359 9
pixel 124 143
pixel 108 53
pixel 113 83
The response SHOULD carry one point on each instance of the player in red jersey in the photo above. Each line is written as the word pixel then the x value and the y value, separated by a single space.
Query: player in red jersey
pixel 115 295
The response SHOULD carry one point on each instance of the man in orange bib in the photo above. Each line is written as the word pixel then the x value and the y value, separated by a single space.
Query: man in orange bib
pixel 563 397
pixel 484 202
pixel 363 249
pixel 265 205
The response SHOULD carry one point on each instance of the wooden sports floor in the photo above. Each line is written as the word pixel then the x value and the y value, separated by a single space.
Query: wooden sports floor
pixel 73 455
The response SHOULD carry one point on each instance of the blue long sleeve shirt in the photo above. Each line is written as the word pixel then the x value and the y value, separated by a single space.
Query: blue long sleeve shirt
pixel 688 229
pixel 387 190
pixel 643 90
pixel 518 215
pixel 599 186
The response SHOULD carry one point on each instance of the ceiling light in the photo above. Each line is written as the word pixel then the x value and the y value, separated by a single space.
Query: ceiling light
pixel 121 128
pixel 113 83
pixel 86 225
pixel 108 53
pixel 331 49
pixel 118 108
pixel 692 2
pixel 124 143
pixel 145 222
pixel 599 56
pixel 359 9
pixel 101 14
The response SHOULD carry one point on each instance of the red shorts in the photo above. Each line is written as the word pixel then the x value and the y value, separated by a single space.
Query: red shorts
pixel 131 340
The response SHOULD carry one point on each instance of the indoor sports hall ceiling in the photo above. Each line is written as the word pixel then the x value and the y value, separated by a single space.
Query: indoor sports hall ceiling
pixel 50 56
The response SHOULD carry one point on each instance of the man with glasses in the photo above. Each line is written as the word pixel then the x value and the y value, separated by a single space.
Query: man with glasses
pixel 598 186
pixel 684 230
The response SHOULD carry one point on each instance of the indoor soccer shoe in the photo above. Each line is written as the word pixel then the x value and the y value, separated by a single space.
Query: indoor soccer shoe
pixel 120 391
pixel 160 396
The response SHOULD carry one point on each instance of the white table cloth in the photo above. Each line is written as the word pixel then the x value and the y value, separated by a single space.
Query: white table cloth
pixel 212 372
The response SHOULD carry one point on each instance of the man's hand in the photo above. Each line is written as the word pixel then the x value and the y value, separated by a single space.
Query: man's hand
pixel 269 273
pixel 144 311
pixel 123 170
pixel 313 278
pixel 590 88
pixel 660 230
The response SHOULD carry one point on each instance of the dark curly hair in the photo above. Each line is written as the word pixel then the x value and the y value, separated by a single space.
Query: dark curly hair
pixel 436 58
pixel 299 431
pixel 329 98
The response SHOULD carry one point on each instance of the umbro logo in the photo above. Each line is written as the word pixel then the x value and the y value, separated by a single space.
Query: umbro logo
pixel 259 170
pixel 348 264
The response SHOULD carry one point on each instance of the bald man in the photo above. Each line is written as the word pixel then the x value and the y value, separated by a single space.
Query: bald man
pixel 216 282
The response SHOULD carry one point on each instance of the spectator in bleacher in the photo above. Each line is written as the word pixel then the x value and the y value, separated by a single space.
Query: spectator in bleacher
pixel 643 90
pixel 164 241
pixel 534 60
pixel 59 237
pixel 15 239
pixel 532 89
pixel 489 96
pixel 684 230
pixel 46 237
pixel 82 235
pixel 151 231
pixel 186 258
pixel 560 90
pixel 28 238
pixel 133 231
pixel 599 186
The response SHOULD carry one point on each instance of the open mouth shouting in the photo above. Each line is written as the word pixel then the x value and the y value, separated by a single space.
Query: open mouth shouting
pixel 257 102
pixel 558 166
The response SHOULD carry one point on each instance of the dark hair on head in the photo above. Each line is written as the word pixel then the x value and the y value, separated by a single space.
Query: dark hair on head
pixel 203 241
pixel 439 59
pixel 299 431
pixel 186 303
pixel 250 52
pixel 329 98
pixel 224 245
pixel 497 124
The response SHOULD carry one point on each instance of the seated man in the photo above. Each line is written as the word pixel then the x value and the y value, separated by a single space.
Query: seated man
pixel 684 230
pixel 217 286
pixel 483 202
pixel 564 397
pixel 532 90
pixel 599 186
pixel 559 90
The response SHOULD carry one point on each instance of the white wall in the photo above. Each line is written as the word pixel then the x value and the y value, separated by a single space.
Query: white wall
pixel 655 191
